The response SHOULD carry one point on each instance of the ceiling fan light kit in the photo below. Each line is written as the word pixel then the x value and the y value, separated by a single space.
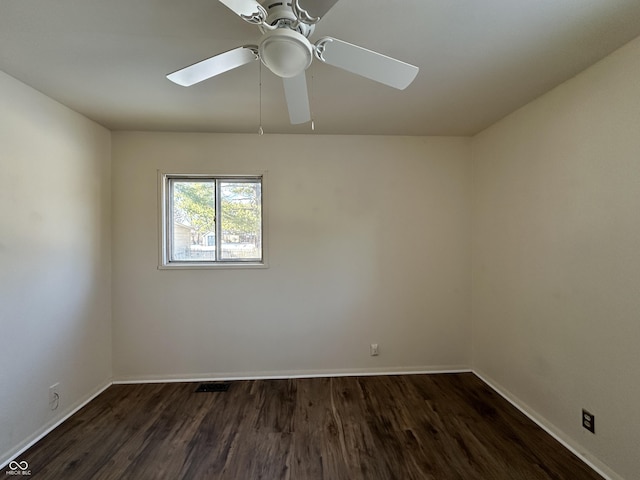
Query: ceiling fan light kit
pixel 285 50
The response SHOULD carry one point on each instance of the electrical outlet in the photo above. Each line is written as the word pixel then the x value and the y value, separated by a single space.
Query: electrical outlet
pixel 589 421
pixel 373 349
pixel 54 396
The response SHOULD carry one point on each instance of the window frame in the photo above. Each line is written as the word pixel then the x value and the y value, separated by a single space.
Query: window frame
pixel 165 220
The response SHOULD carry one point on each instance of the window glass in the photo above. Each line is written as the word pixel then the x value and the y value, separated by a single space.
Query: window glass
pixel 212 220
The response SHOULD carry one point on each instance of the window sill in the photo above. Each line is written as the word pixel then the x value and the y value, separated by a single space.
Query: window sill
pixel 212 266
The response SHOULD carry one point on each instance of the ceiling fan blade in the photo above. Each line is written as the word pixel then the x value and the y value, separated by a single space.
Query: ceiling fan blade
pixel 366 63
pixel 249 10
pixel 214 66
pixel 311 11
pixel 295 91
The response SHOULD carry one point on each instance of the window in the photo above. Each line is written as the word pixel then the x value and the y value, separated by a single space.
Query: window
pixel 211 221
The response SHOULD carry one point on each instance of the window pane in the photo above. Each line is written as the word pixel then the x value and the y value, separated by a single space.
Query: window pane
pixel 193 230
pixel 241 220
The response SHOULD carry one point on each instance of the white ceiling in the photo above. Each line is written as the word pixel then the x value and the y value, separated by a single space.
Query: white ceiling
pixel 479 60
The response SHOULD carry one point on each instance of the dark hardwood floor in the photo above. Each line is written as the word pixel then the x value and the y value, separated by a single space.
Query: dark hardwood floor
pixel 436 427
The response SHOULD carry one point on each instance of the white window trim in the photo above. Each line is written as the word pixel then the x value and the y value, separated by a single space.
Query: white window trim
pixel 163 205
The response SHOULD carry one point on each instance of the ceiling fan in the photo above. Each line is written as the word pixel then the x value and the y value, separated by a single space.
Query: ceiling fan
pixel 285 50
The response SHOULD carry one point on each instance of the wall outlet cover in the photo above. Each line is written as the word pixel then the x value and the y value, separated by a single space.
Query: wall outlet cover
pixel 589 421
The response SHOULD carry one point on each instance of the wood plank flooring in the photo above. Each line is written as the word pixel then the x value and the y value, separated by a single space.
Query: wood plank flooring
pixel 423 427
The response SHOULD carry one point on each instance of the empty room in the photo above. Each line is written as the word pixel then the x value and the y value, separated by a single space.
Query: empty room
pixel 320 239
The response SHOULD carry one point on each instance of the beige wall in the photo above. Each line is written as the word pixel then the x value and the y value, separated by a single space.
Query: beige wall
pixel 368 241
pixel 55 290
pixel 556 258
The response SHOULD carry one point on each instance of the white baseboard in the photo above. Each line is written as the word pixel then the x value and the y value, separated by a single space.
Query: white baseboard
pixel 594 463
pixel 14 453
pixel 219 376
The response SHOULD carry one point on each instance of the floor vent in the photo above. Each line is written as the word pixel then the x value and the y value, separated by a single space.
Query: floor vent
pixel 213 387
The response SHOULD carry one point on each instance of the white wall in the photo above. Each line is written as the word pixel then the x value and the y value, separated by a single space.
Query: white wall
pixel 368 242
pixel 556 258
pixel 55 291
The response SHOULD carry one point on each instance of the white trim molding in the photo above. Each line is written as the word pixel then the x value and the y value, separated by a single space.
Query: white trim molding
pixel 216 377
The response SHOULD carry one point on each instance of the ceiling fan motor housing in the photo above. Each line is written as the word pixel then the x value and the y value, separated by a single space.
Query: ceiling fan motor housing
pixel 280 14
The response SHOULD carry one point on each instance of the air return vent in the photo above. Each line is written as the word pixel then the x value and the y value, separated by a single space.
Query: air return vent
pixel 214 387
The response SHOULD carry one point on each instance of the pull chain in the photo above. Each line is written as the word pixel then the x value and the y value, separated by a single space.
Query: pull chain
pixel 260 130
pixel 313 123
